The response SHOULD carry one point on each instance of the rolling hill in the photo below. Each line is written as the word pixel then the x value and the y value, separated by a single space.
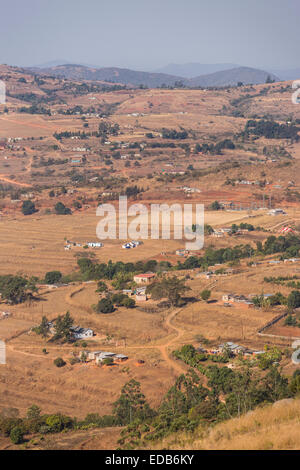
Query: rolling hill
pixel 245 75
pixel 232 76
pixel 109 74
pixel 194 69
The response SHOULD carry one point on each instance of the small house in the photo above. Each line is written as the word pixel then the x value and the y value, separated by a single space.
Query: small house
pixel 81 333
pixel 144 278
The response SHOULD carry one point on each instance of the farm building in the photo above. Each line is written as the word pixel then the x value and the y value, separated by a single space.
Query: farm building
pixel 144 278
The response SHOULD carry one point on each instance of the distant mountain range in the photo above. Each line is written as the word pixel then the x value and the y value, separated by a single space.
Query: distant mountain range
pixel 219 78
pixel 194 69
pixel 245 75
pixel 287 74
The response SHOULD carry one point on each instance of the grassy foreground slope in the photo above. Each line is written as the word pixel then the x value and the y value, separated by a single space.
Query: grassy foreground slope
pixel 274 427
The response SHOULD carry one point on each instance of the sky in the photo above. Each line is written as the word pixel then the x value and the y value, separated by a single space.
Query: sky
pixel 149 34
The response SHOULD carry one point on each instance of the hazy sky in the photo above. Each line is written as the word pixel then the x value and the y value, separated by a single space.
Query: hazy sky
pixel 147 34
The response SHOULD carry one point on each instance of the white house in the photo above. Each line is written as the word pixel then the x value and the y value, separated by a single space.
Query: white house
pixel 81 333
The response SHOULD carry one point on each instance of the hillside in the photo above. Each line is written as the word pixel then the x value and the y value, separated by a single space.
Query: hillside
pixel 221 78
pixel 274 427
pixel 194 69
pixel 109 74
pixel 245 75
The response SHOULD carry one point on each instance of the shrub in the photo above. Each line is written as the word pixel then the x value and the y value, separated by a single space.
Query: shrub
pixel 59 362
pixel 105 306
pixel 28 208
pixel 17 435
pixel 52 277
pixel 61 209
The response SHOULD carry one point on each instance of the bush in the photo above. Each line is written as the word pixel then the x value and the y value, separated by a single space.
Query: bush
pixel 52 277
pixel 59 362
pixel 28 208
pixel 205 294
pixel 105 306
pixel 128 303
pixel 17 435
pixel 61 209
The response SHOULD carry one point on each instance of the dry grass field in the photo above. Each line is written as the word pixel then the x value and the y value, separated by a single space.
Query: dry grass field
pixel 275 427
pixel 82 173
pixel 35 245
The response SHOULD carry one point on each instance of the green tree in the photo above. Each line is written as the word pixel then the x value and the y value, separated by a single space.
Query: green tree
pixel 63 326
pixel 43 328
pixel 33 412
pixel 17 289
pixel 101 287
pixel 171 287
pixel 131 404
pixel 28 208
pixel 293 300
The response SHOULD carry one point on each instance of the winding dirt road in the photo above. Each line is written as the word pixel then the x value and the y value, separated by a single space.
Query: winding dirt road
pixel 162 348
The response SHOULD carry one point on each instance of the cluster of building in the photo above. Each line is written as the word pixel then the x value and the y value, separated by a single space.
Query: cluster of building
pixel 221 232
pixel 235 350
pixel 209 274
pixel 247 182
pixel 129 245
pixel 286 229
pixel 139 293
pixel 4 315
pixel 229 299
pixel 100 356
pixel 275 212
pixel 69 245
pixel 242 300
pixel 188 190
pixel 182 252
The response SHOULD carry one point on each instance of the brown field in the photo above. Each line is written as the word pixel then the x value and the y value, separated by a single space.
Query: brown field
pixel 33 245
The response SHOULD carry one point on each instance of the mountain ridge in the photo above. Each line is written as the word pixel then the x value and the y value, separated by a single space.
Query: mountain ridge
pixel 246 75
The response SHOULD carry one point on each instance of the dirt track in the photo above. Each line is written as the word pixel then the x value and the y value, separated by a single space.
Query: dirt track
pixel 163 348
